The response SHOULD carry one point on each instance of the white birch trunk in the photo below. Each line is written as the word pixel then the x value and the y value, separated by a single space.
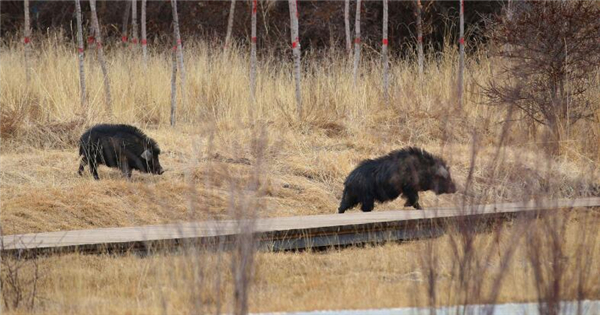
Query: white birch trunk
pixel 91 39
pixel 230 24
pixel 294 32
pixel 461 63
pixel 26 41
pixel 253 53
pixel 420 37
pixel 80 53
pixel 98 37
pixel 144 38
pixel 179 51
pixel 178 42
pixel 347 27
pixel 125 24
pixel 357 44
pixel 134 25
pixel 384 52
pixel 174 85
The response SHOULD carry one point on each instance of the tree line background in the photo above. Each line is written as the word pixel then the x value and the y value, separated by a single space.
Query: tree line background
pixel 321 22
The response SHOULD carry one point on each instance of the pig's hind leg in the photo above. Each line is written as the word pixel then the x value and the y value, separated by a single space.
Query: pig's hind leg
pixel 82 165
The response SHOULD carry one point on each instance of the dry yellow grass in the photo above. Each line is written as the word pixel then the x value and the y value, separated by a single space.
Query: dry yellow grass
pixel 305 162
pixel 393 275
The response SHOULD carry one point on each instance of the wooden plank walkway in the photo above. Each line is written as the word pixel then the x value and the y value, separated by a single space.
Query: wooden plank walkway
pixel 285 233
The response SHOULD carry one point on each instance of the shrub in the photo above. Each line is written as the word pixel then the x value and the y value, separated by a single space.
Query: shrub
pixel 551 52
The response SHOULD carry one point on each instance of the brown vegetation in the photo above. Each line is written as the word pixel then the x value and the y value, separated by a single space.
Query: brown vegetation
pixel 222 164
pixel 548 70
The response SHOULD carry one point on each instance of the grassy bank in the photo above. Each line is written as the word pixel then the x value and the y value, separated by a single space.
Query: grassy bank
pixel 223 144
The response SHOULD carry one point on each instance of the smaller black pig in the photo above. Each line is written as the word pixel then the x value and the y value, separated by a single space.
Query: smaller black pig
pixel 406 171
pixel 121 146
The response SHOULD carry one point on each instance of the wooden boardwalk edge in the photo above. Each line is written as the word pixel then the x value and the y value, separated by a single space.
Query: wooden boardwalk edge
pixel 277 234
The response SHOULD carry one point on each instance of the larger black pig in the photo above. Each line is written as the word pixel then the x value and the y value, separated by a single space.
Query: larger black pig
pixel 406 171
pixel 120 146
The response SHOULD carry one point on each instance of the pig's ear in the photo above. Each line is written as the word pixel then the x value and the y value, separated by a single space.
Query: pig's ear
pixel 442 171
pixel 147 155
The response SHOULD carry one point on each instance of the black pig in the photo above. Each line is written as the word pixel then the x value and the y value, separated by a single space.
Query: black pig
pixel 121 146
pixel 406 171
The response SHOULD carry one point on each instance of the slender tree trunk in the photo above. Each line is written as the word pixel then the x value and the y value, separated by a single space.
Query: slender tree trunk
pixel 125 22
pixel 179 51
pixel 91 39
pixel 144 38
pixel 80 53
pixel 98 37
pixel 384 52
pixel 420 37
pixel 357 45
pixel 347 27
pixel 253 53
pixel 461 63
pixel 26 41
pixel 134 25
pixel 178 41
pixel 174 84
pixel 293 4
pixel 230 24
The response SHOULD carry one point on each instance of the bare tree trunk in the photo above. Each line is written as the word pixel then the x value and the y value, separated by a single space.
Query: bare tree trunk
pixel 144 39
pixel 80 52
pixel 125 22
pixel 230 24
pixel 134 26
pixel 253 54
pixel 98 35
pixel 178 43
pixel 179 50
pixel 26 41
pixel 91 39
pixel 293 4
pixel 384 52
pixel 461 63
pixel 347 27
pixel 357 40
pixel 174 85
pixel 420 37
